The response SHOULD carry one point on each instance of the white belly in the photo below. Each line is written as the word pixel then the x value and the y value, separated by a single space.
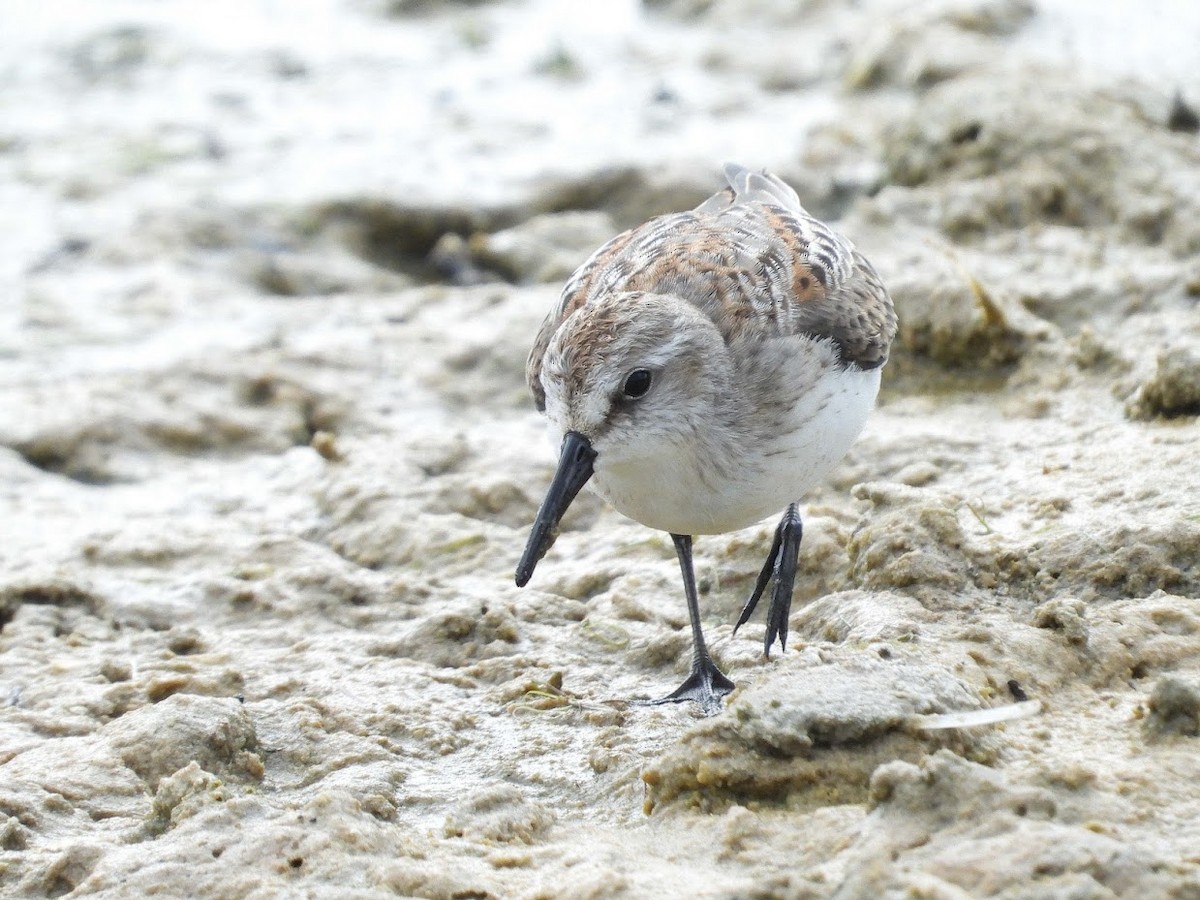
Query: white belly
pixel 721 483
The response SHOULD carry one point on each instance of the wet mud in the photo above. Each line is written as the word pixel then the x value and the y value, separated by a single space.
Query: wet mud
pixel 267 459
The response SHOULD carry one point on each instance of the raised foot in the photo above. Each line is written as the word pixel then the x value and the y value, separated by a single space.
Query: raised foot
pixel 781 567
pixel 706 686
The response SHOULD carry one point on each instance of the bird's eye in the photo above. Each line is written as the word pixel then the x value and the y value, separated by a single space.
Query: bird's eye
pixel 636 384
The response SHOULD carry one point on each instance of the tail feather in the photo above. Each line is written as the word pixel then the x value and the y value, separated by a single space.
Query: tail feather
pixel 746 186
pixel 761 186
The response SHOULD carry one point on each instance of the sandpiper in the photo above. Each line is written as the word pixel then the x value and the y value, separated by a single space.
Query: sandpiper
pixel 703 371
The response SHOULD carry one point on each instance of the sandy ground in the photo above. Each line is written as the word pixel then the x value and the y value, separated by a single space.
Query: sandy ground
pixel 269 273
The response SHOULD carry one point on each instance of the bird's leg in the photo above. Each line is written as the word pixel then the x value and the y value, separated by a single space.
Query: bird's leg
pixel 780 565
pixel 706 684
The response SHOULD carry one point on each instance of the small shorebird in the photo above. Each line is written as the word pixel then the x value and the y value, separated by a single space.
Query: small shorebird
pixel 705 370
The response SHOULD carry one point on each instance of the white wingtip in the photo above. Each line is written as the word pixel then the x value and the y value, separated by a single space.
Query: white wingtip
pixel 761 186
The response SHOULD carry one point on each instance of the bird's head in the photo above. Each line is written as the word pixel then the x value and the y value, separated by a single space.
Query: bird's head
pixel 627 377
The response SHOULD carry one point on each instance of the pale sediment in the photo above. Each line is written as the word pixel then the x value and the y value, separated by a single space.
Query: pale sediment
pixel 267 462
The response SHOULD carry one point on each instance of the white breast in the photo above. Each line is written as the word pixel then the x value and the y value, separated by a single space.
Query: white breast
pixel 716 484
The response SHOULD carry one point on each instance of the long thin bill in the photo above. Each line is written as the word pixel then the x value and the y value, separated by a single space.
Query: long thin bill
pixel 574 469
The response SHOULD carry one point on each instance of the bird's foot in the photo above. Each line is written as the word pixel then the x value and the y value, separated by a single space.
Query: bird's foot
pixel 781 566
pixel 706 685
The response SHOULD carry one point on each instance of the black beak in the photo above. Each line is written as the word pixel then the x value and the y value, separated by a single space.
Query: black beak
pixel 574 470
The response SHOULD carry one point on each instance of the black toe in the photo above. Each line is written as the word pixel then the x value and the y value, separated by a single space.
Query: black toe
pixel 706 685
pixel 780 566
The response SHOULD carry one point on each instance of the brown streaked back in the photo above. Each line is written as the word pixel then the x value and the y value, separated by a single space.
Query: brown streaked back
pixel 752 260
